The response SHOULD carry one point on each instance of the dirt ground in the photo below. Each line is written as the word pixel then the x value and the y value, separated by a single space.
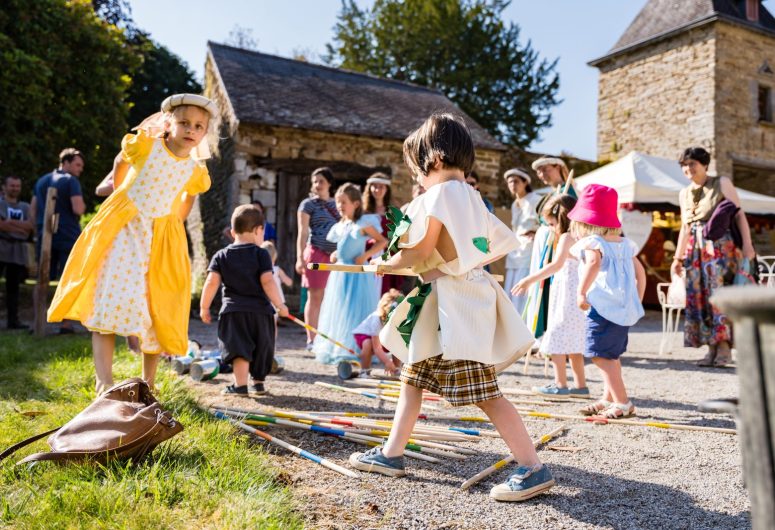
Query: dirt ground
pixel 624 477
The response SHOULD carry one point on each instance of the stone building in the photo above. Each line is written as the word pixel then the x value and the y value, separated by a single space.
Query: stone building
pixel 282 118
pixel 694 72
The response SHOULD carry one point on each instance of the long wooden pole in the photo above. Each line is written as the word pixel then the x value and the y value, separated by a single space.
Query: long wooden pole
pixel 509 459
pixel 307 326
pixel 603 421
pixel 381 269
pixel 50 223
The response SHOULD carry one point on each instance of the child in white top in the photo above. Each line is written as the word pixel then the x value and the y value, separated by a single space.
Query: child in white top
pixel 454 333
pixel 611 286
pixel 564 337
pixel 367 335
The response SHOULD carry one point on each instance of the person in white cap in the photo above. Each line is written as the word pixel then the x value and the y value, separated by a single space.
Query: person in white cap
pixel 377 200
pixel 129 271
pixel 524 223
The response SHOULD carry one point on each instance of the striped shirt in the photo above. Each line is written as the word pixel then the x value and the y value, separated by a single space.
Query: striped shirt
pixel 322 216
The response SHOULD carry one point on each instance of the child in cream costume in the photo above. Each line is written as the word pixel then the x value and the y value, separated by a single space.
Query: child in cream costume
pixel 456 331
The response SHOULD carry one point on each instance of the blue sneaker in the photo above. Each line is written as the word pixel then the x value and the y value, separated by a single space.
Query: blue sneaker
pixel 523 484
pixel 552 391
pixel 579 392
pixel 373 461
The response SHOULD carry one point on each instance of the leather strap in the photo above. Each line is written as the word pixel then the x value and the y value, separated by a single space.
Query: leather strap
pixel 11 450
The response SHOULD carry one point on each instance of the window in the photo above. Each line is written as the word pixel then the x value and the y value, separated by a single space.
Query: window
pixel 765 103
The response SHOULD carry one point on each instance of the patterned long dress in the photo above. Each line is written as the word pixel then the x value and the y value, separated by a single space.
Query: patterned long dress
pixel 708 265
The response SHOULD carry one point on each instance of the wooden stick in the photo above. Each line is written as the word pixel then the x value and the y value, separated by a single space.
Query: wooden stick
pixel 366 394
pixel 44 267
pixel 499 464
pixel 285 445
pixel 307 326
pixel 373 269
pixel 523 392
pixel 603 421
pixel 569 181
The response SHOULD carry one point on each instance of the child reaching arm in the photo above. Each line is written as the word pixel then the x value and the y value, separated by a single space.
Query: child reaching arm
pixel 367 335
pixel 565 332
pixel 455 333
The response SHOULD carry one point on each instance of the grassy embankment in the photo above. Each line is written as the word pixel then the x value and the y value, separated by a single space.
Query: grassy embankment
pixel 206 477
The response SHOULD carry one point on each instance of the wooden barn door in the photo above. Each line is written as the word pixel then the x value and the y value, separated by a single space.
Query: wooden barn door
pixel 292 188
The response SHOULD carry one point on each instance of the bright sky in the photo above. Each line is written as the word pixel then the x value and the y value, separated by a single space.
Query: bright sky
pixel 574 31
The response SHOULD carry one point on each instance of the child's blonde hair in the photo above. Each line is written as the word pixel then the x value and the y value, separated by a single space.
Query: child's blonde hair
pixel 269 247
pixel 579 230
pixel 386 303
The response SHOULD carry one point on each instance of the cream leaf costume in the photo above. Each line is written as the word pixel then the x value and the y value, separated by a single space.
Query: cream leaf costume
pixel 467 315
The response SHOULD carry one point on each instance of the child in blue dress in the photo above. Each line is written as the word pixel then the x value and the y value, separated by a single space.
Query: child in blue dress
pixel 611 286
pixel 348 298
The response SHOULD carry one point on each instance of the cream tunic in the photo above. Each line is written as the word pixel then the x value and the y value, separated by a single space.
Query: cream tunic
pixel 467 315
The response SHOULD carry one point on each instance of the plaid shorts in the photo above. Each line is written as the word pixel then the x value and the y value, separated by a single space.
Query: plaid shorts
pixel 459 382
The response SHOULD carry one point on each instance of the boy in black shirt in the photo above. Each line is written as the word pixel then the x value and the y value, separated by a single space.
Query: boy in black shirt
pixel 246 322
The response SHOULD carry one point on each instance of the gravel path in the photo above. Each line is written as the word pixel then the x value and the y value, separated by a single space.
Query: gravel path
pixel 625 477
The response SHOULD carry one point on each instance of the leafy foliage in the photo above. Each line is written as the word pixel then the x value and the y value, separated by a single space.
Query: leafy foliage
pixel 161 74
pixel 461 47
pixel 64 82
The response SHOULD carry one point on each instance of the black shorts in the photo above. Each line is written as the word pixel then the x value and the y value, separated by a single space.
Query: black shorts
pixel 249 336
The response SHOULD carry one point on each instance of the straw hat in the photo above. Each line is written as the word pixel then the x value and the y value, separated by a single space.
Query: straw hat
pixel 517 172
pixel 546 161
pixel 196 100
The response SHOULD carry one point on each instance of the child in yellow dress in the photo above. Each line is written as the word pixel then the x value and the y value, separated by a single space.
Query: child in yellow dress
pixel 129 272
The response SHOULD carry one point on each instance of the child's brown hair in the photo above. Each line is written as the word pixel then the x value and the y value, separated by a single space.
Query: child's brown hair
pixel 558 208
pixel 352 192
pixel 386 303
pixel 246 218
pixel 442 138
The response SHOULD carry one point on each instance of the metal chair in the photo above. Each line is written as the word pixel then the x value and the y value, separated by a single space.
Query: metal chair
pixel 766 270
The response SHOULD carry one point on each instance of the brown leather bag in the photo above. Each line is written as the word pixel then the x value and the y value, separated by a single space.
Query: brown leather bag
pixel 126 421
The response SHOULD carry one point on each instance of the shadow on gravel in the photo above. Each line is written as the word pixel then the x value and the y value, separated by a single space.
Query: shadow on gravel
pixel 678 365
pixel 610 501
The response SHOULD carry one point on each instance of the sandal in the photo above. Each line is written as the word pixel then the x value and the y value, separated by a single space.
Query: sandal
pixel 618 411
pixel 723 357
pixel 595 408
pixel 709 358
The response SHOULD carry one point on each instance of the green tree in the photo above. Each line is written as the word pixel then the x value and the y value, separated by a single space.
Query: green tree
pixel 161 74
pixel 64 76
pixel 461 47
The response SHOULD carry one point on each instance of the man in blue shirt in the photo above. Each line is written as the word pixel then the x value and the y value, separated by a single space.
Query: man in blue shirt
pixel 70 207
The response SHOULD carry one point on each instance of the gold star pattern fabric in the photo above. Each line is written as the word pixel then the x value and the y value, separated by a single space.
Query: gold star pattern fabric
pixel 121 291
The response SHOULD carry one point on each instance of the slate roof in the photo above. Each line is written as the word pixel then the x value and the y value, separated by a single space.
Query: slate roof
pixel 663 18
pixel 266 89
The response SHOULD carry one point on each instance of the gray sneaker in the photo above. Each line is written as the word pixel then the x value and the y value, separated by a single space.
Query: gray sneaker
pixel 579 392
pixel 373 461
pixel 551 391
pixel 523 484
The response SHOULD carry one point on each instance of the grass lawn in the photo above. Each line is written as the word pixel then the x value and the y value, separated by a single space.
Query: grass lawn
pixel 206 477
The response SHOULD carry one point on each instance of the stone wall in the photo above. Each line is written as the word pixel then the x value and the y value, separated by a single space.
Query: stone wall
pixel 658 99
pixel 740 136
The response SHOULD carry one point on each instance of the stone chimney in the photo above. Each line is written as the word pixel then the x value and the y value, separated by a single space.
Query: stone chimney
pixel 752 10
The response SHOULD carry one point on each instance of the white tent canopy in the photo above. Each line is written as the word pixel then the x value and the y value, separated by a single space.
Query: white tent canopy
pixel 640 178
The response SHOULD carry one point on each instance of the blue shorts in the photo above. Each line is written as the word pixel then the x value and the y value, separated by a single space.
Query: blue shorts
pixel 604 338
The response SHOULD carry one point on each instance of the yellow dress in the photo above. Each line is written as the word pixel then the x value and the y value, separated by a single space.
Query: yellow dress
pixel 129 272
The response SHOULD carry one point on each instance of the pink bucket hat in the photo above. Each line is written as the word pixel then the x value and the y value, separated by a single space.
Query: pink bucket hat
pixel 597 206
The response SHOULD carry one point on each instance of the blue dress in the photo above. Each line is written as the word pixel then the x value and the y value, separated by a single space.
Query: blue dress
pixel 349 298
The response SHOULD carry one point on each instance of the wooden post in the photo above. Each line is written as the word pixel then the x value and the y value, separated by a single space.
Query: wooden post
pixel 752 308
pixel 50 222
